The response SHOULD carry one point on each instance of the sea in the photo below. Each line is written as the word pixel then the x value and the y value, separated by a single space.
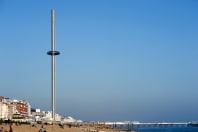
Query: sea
pixel 167 129
pixel 179 128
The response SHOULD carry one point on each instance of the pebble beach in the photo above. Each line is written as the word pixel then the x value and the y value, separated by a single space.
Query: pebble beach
pixel 55 128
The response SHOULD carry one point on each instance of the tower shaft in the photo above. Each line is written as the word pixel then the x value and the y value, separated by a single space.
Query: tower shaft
pixel 53 53
pixel 53 64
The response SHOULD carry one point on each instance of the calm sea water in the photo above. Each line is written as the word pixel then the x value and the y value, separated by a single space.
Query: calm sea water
pixel 183 128
pixel 167 129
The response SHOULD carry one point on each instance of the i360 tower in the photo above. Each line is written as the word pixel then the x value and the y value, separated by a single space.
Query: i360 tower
pixel 53 53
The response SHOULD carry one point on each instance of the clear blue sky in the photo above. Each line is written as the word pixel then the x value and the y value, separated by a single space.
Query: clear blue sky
pixel 120 59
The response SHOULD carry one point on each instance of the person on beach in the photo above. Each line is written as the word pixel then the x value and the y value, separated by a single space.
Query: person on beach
pixel 10 129
pixel 40 130
pixel 1 130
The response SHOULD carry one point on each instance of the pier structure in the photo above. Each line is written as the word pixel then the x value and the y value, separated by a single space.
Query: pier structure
pixel 159 124
pixel 130 125
pixel 53 53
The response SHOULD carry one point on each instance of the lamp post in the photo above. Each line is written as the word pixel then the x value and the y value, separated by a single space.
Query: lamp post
pixel 53 53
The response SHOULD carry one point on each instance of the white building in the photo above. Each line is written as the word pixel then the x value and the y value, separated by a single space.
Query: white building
pixel 29 109
pixel 3 110
pixel 47 115
pixel 38 110
pixel 69 119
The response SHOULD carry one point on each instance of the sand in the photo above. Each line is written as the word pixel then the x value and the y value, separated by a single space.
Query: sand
pixel 55 128
pixel 48 128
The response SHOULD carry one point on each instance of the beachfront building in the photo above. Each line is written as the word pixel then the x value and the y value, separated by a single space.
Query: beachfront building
pixel 58 117
pixel 3 109
pixel 35 112
pixel 29 110
pixel 21 107
pixel 14 109
pixel 70 120
pixel 10 109
pixel 47 115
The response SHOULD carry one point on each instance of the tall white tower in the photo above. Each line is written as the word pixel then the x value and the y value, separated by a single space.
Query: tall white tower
pixel 53 53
